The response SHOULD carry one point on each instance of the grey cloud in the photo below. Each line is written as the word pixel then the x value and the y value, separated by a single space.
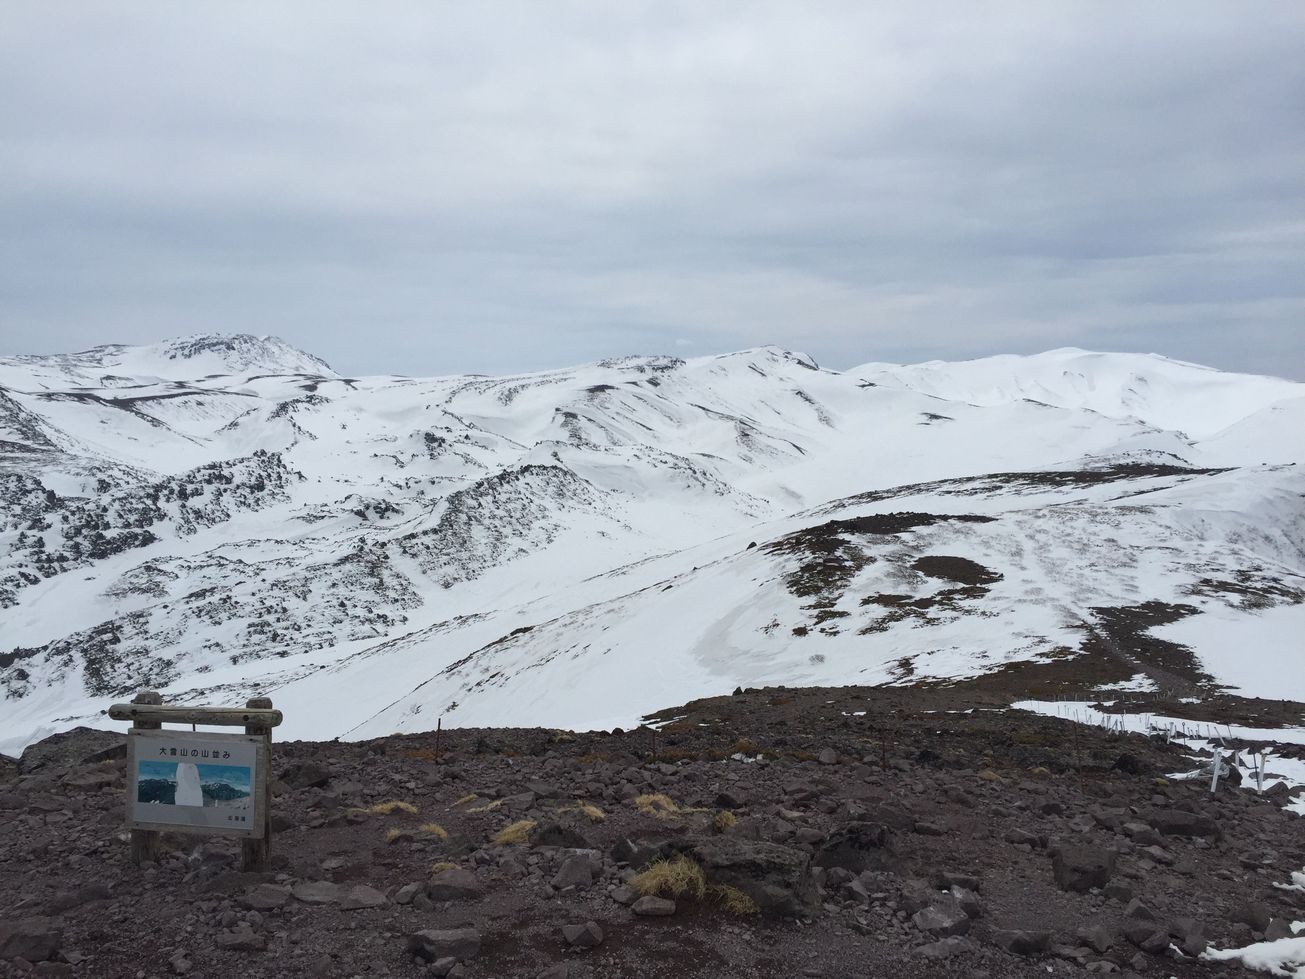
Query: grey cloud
pixel 439 187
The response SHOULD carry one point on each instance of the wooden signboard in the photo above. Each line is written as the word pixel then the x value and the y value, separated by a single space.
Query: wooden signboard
pixel 181 781
pixel 193 782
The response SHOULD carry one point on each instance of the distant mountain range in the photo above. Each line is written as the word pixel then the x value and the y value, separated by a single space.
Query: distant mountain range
pixel 220 516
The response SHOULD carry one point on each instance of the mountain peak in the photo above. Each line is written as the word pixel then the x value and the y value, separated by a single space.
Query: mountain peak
pixel 243 352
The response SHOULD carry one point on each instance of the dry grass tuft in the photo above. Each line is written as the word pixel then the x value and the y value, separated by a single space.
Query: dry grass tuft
pixel 657 804
pixel 487 807
pixel 724 820
pixel 733 900
pixel 675 877
pixel 466 799
pixel 386 808
pixel 434 829
pixel 440 866
pixel 515 833
pixel 587 809
pixel 393 834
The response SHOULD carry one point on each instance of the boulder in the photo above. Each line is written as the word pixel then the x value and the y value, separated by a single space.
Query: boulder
pixel 776 877
pixel 265 897
pixel 587 935
pixel 453 884
pixel 1099 938
pixel 1148 936
pixel 316 892
pixel 1020 942
pixel 576 871
pixel 1081 868
pixel 242 939
pixel 80 746
pixel 1179 822
pixel 305 775
pixel 945 948
pixel 941 920
pixel 438 943
pixel 34 939
pixel 362 896
pixel 858 847
pixel 554 833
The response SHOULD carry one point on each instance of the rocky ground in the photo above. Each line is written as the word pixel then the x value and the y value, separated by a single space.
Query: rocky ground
pixel 844 832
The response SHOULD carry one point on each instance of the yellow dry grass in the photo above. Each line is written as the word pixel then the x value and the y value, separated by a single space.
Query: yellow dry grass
pixel 733 900
pixel 587 809
pixel 434 829
pixel 386 808
pixel 675 877
pixel 656 804
pixel 724 820
pixel 514 834
pixel 469 797
pixel 440 866
pixel 487 807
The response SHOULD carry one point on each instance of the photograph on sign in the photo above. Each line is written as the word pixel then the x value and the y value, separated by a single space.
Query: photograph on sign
pixel 208 781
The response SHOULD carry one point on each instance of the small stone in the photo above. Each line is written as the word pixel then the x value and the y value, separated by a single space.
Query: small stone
pixel 828 756
pixel 407 892
pixel 241 941
pixel 1020 942
pixel 453 884
pixel 316 892
pixel 1081 868
pixel 624 894
pixel 438 943
pixel 945 948
pixel 576 871
pixel 362 896
pixel 651 906
pixel 1136 909
pixel 1117 890
pixel 942 920
pixel 33 939
pixel 1023 836
pixel 1147 936
pixel 266 897
pixel 1253 913
pixel 1097 937
pixel 587 935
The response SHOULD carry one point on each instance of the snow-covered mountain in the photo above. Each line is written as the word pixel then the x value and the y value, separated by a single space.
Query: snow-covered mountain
pixel 216 516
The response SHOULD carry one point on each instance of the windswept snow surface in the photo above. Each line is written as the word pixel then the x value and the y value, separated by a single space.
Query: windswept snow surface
pixel 220 517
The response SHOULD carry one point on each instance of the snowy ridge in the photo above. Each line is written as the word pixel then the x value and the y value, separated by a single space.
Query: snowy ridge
pixel 216 516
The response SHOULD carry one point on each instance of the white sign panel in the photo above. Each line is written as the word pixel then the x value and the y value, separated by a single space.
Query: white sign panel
pixel 210 783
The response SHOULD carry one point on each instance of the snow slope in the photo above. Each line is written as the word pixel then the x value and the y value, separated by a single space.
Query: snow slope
pixel 219 516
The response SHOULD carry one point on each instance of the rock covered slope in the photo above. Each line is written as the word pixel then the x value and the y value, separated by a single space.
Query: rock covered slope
pixel 225 516
pixel 895 830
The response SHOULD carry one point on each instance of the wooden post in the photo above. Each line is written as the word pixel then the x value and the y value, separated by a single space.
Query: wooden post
pixel 257 854
pixel 439 723
pixel 145 843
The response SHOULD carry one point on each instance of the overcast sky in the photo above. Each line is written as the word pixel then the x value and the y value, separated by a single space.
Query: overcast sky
pixel 435 188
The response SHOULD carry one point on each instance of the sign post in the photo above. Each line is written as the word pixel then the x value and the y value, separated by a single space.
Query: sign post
pixel 196 782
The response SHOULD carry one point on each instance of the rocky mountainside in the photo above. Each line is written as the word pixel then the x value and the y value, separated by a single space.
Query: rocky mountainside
pixel 223 517
pixel 820 833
